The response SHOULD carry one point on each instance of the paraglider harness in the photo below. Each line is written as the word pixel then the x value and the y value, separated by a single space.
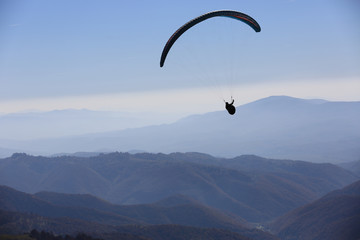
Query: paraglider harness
pixel 230 107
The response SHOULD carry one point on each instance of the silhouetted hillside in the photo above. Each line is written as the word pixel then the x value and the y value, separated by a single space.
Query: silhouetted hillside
pixel 334 216
pixel 254 194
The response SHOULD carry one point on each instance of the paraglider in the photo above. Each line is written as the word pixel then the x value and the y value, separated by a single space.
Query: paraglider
pixel 230 107
pixel 221 13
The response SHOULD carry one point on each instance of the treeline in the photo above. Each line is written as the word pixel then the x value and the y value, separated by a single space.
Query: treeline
pixel 49 236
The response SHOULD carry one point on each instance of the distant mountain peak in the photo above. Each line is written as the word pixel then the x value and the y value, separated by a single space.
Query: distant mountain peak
pixel 285 100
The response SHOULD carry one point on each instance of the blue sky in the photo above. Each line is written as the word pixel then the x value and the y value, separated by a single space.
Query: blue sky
pixel 104 55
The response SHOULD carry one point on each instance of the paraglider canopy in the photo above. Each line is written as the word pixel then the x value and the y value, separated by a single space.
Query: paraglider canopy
pixel 221 13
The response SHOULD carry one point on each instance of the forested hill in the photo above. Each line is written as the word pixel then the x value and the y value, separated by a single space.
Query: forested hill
pixel 334 216
pixel 253 188
pixel 72 213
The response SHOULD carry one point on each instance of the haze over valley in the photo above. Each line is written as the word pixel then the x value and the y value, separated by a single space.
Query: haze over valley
pixel 278 127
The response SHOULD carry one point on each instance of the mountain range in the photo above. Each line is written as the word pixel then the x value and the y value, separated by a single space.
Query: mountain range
pixel 251 188
pixel 333 216
pixel 276 127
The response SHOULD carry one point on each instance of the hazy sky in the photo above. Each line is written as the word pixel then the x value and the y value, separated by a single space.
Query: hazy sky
pixel 104 55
